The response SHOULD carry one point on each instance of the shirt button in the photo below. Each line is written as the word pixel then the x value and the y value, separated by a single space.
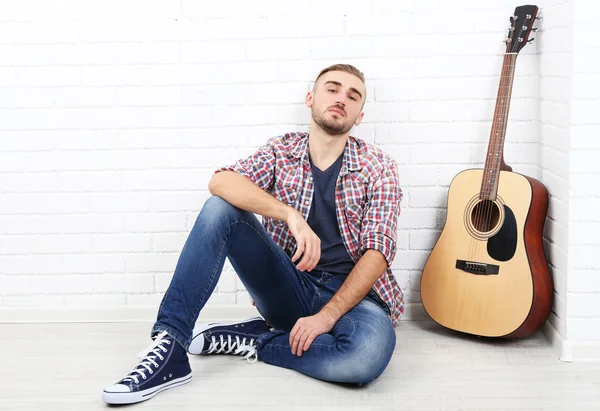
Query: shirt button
pixel 307 202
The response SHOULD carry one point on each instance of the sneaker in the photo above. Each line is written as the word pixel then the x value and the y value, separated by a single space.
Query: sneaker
pixel 163 365
pixel 238 338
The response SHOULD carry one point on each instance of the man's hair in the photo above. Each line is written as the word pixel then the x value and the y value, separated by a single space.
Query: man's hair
pixel 348 68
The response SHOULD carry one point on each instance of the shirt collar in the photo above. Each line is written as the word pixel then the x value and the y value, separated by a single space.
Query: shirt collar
pixel 350 162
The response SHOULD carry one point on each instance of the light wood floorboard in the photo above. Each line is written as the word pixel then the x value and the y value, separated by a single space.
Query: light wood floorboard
pixel 64 367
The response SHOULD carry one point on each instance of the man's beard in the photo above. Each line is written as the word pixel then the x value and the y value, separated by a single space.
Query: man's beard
pixel 330 126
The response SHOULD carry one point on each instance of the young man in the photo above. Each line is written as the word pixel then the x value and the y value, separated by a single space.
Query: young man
pixel 317 267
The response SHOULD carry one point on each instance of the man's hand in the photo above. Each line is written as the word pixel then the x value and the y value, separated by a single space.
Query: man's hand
pixel 309 245
pixel 307 329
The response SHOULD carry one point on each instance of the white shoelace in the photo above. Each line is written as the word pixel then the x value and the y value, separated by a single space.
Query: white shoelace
pixel 148 356
pixel 236 347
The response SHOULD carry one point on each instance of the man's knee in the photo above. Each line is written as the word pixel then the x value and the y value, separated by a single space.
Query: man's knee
pixel 215 208
pixel 367 355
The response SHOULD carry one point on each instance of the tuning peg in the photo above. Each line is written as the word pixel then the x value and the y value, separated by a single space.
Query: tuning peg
pixel 507 40
pixel 535 29
pixel 540 18
pixel 531 41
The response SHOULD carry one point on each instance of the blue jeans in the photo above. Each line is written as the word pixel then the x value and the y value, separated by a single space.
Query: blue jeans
pixel 358 348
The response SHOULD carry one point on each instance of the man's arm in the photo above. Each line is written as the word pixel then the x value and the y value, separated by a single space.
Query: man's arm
pixel 358 284
pixel 360 280
pixel 239 191
pixel 378 238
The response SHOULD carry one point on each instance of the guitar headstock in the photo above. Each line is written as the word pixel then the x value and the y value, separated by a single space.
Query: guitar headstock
pixel 521 26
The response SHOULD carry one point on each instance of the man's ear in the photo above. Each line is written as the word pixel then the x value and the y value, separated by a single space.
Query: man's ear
pixel 359 118
pixel 309 99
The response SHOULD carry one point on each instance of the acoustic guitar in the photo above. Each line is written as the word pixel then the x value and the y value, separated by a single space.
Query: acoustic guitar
pixel 487 274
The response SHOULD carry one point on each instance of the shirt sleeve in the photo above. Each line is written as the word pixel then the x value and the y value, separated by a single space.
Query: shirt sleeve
pixel 379 229
pixel 258 167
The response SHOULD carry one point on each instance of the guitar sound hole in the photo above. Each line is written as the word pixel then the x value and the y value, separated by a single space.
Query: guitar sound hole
pixel 485 216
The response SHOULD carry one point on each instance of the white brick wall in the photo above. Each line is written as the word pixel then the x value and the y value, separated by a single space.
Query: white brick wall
pixel 556 54
pixel 570 91
pixel 583 306
pixel 113 116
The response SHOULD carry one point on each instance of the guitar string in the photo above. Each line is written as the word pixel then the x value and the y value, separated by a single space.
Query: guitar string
pixel 486 207
pixel 493 164
pixel 501 127
pixel 480 205
pixel 505 91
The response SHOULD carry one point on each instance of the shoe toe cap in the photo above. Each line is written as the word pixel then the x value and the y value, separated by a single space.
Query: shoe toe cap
pixel 197 344
pixel 118 388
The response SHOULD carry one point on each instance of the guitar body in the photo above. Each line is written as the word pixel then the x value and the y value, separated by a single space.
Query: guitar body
pixel 487 274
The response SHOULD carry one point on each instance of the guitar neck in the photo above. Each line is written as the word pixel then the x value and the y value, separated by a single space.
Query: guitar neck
pixel 494 156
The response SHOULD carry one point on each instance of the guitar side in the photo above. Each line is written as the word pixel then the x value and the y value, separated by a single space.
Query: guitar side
pixel 515 301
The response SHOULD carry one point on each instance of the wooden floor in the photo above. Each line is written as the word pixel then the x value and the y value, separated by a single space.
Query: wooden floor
pixel 66 366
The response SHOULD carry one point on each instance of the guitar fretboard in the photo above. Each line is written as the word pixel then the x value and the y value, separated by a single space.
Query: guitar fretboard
pixel 493 160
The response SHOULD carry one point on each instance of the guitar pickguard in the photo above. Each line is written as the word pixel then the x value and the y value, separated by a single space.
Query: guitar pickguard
pixel 503 245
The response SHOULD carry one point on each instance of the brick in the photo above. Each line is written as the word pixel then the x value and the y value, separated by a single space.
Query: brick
pixel 153 299
pixel 583 305
pixel 50 203
pixel 583 233
pixel 162 281
pixel 151 262
pixel 417 175
pixel 169 241
pixel 28 183
pixel 118 202
pixel 411 260
pixel 42 244
pixel 584 161
pixel 584 209
pixel 121 242
pixel 585 257
pixel 178 201
pixel 224 298
pixel 583 137
pixel 153 222
pixel 62 264
pixel 440 153
pixel 428 197
pixel 213 52
pixel 584 281
pixel 279 49
pixel 119 283
pixel 227 282
pixel 418 218
pixel 90 181
pixel 37 301
pixel 584 185
pixel 94 300
pixel 423 239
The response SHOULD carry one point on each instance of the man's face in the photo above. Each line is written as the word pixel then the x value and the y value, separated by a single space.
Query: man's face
pixel 336 102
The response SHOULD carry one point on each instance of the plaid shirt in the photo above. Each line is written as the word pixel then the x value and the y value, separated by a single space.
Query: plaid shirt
pixel 367 200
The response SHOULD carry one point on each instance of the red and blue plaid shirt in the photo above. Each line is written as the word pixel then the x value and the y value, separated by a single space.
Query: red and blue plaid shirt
pixel 367 200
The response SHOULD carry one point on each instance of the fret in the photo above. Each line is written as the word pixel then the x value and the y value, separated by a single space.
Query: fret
pixel 493 161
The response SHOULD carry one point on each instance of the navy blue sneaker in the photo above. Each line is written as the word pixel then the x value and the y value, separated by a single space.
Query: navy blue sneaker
pixel 164 365
pixel 237 338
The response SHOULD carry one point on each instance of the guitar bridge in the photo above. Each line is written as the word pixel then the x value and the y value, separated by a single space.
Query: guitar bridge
pixel 474 267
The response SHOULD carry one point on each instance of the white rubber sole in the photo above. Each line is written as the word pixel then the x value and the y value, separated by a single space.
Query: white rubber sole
pixel 139 396
pixel 197 343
